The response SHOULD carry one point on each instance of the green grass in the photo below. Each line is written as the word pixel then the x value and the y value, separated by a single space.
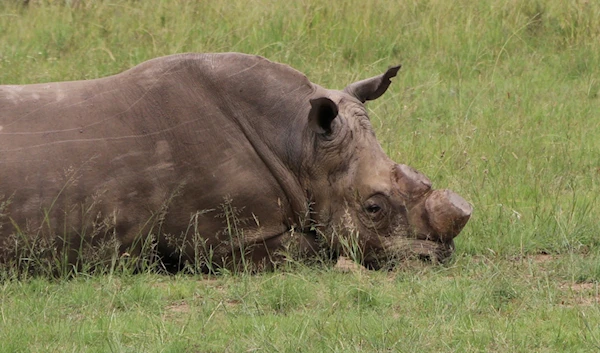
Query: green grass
pixel 477 304
pixel 497 100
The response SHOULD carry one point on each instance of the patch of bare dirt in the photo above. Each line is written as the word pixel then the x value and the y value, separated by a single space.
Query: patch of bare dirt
pixel 536 258
pixel 541 258
pixel 580 294
pixel 178 308
pixel 344 264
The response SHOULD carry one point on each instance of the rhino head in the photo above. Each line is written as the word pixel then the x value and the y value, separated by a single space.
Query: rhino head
pixel 362 199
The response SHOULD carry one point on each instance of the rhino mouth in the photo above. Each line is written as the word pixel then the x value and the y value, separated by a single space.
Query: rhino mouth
pixel 432 251
pixel 399 250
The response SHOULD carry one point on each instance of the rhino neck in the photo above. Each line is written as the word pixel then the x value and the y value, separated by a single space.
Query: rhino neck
pixel 275 160
pixel 273 128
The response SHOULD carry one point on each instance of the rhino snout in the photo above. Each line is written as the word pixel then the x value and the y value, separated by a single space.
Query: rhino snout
pixel 447 213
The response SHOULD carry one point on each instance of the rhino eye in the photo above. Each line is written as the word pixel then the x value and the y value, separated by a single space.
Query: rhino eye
pixel 373 209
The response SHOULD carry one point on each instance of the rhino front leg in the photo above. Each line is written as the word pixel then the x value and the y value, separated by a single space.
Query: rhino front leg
pixel 267 254
pixel 294 245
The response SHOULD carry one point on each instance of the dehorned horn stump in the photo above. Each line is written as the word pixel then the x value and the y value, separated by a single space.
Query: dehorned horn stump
pixel 448 213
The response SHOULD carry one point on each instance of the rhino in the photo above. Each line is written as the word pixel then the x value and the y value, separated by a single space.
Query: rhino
pixel 227 155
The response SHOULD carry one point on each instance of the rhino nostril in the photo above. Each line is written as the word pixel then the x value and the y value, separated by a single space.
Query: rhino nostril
pixel 426 258
pixel 448 213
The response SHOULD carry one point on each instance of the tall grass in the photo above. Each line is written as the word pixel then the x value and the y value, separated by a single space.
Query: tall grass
pixel 497 100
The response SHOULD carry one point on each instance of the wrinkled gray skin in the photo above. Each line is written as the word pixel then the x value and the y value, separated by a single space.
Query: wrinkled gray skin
pixel 168 146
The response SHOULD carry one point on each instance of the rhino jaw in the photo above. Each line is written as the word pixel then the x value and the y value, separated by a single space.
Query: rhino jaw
pixel 447 213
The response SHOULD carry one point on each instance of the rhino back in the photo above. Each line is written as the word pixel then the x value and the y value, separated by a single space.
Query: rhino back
pixel 182 133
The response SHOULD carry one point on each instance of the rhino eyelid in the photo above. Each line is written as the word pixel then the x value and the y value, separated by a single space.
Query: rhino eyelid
pixel 374 208
pixel 375 203
pixel 385 195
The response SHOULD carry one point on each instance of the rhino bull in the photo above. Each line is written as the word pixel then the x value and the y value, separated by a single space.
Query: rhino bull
pixel 220 154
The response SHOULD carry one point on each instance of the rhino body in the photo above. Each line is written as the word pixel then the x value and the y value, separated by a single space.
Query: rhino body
pixel 219 154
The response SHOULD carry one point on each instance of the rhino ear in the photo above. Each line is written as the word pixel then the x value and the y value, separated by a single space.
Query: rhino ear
pixel 374 87
pixel 322 112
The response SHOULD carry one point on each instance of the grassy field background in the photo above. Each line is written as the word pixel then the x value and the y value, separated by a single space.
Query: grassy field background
pixel 497 100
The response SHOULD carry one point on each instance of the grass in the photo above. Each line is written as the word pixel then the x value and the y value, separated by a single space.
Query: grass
pixel 477 304
pixel 497 100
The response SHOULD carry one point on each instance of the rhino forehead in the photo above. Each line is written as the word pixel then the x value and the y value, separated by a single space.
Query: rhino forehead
pixel 357 118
